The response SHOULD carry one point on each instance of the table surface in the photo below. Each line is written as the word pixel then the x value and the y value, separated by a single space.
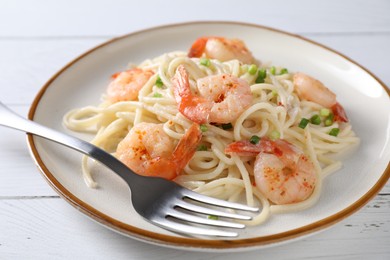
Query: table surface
pixel 38 37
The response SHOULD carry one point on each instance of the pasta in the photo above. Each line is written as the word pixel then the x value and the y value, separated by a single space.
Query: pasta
pixel 275 111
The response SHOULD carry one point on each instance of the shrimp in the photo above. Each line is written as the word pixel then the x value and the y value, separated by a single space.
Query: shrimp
pixel 149 151
pixel 282 172
pixel 313 90
pixel 126 85
pixel 221 49
pixel 222 98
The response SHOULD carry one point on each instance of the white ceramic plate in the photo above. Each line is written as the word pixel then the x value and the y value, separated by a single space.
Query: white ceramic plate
pixel 81 83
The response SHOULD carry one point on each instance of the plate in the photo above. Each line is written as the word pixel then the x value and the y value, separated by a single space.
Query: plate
pixel 81 82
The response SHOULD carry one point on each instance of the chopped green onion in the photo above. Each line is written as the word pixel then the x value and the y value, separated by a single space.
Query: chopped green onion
pixel 203 128
pixel 262 73
pixel 159 82
pixel 272 70
pixel 283 71
pixel 157 95
pixel 303 123
pixel 329 120
pixel 212 217
pixel 274 92
pixel 254 139
pixel 274 135
pixel 334 131
pixel 202 147
pixel 259 79
pixel 252 69
pixel 205 62
pixel 315 120
pixel 227 126
pixel 324 112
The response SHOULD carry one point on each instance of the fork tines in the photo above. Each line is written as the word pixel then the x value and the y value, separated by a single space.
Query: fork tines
pixel 184 211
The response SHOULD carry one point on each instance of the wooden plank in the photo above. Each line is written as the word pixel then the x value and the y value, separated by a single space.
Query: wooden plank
pixel 50 228
pixel 80 18
pixel 18 174
pixel 26 65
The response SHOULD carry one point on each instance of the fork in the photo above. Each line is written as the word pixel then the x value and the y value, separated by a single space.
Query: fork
pixel 166 204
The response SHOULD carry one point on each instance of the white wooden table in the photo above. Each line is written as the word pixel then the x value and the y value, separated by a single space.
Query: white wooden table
pixel 38 37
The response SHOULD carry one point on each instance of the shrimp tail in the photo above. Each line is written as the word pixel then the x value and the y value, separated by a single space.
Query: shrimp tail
pixel 181 84
pixel 193 107
pixel 198 47
pixel 186 147
pixel 243 148
pixel 115 75
pixel 246 148
pixel 170 168
pixel 220 48
pixel 339 113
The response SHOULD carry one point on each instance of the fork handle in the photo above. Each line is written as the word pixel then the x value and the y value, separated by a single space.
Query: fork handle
pixel 11 119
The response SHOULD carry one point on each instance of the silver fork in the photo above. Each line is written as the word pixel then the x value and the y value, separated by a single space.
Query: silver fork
pixel 166 204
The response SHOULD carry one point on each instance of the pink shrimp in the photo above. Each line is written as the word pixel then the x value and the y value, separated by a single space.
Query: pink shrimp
pixel 283 173
pixel 313 90
pixel 126 85
pixel 221 99
pixel 221 49
pixel 149 151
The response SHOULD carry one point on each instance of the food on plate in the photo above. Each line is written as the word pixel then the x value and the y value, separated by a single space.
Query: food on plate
pixel 218 121
pixel 149 151
pixel 221 99
pixel 221 49
pixel 282 172
pixel 126 85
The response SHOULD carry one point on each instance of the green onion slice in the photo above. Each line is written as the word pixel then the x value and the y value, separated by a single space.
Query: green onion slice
pixel 303 123
pixel 202 147
pixel 262 73
pixel 283 71
pixel 254 139
pixel 252 69
pixel 334 131
pixel 315 120
pixel 329 120
pixel 324 112
pixel 227 126
pixel 259 80
pixel 159 82
pixel 203 128
pixel 205 62
pixel 274 135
